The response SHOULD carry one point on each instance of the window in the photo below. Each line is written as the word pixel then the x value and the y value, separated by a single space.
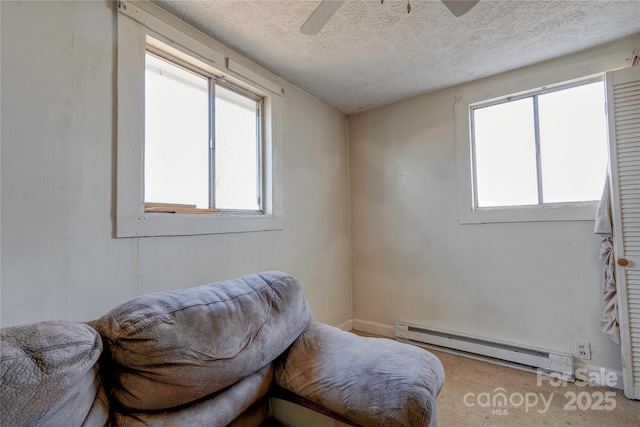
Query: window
pixel 537 155
pixel 199 132
pixel 547 147
pixel 202 141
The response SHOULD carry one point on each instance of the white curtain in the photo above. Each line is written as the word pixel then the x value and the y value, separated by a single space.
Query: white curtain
pixel 604 228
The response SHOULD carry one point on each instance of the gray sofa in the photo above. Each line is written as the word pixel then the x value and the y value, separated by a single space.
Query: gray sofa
pixel 211 356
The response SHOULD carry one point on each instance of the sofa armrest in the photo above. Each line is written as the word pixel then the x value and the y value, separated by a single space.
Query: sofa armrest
pixel 368 381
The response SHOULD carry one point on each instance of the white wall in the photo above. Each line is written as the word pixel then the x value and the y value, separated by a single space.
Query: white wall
pixel 59 259
pixel 537 283
pixel 533 283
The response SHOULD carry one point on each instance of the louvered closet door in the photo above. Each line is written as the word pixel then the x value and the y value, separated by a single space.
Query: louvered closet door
pixel 623 100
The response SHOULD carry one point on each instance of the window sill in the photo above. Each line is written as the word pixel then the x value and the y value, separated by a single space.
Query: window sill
pixel 564 212
pixel 187 224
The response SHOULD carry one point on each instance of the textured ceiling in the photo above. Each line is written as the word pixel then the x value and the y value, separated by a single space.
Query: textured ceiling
pixel 370 54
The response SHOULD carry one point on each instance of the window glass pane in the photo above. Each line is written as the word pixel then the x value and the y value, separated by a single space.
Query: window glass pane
pixel 573 143
pixel 176 152
pixel 236 151
pixel 505 158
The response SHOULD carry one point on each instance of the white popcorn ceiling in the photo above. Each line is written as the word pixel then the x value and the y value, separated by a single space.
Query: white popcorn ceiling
pixel 371 54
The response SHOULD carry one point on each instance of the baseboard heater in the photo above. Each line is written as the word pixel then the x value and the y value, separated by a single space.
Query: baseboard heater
pixel 534 360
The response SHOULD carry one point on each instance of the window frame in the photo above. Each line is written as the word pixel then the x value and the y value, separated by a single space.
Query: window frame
pixel 468 211
pixel 138 29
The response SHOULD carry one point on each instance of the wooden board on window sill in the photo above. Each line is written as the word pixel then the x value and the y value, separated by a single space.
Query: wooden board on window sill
pixel 177 210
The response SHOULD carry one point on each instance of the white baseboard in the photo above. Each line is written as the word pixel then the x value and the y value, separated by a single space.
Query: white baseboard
pixel 602 376
pixel 346 325
pixel 388 331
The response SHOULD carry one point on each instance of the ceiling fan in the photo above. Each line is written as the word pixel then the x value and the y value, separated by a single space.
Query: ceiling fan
pixel 327 8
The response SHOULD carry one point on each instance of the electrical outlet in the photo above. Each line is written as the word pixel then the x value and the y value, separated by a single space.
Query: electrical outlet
pixel 583 350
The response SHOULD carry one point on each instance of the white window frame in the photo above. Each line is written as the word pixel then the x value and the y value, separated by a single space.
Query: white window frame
pixel 152 26
pixel 468 212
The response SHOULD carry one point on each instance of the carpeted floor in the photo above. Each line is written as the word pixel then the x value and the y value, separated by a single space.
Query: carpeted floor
pixel 474 391
pixel 478 394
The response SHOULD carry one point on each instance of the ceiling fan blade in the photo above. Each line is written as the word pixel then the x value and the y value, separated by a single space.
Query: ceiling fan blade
pixel 459 7
pixel 320 16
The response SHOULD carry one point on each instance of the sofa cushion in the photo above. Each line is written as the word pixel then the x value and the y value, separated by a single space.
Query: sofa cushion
pixel 49 375
pixel 370 381
pixel 219 409
pixel 170 348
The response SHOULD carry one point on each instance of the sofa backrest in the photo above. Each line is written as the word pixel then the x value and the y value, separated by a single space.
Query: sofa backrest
pixel 171 348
